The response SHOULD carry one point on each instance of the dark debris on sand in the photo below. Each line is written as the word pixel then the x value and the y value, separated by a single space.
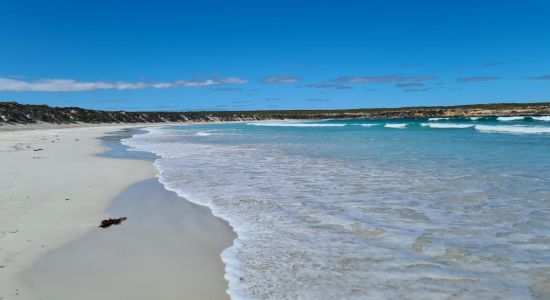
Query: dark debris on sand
pixel 109 222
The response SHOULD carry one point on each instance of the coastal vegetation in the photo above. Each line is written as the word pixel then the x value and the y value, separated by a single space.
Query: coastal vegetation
pixel 15 113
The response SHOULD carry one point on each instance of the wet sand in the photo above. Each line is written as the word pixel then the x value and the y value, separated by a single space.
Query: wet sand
pixel 55 191
pixel 168 248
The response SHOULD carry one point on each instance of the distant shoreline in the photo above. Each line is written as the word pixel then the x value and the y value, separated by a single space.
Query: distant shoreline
pixel 12 113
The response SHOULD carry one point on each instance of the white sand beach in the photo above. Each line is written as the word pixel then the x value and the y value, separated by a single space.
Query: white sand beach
pixel 54 191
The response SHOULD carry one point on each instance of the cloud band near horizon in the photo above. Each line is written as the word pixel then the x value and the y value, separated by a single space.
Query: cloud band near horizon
pixel 477 79
pixel 70 85
pixel 381 79
pixel 285 79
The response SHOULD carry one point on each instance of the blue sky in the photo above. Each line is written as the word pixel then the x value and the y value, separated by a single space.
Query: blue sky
pixel 242 55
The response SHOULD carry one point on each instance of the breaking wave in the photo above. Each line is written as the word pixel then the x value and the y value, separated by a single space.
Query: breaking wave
pixel 396 125
pixel 296 125
pixel 513 118
pixel 515 129
pixel 446 125
pixel 541 118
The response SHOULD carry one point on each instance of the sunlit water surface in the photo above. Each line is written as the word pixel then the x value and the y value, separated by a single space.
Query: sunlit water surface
pixel 362 209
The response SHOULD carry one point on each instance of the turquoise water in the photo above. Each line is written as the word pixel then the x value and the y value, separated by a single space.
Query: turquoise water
pixel 363 209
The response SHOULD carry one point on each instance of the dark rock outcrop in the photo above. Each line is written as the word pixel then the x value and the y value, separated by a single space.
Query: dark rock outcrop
pixel 15 113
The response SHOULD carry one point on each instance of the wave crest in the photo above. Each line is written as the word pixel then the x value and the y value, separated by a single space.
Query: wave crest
pixel 396 125
pixel 541 118
pixel 512 118
pixel 202 133
pixel 515 129
pixel 446 125
pixel 296 125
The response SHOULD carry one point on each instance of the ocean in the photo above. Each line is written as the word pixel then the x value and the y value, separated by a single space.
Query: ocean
pixel 371 209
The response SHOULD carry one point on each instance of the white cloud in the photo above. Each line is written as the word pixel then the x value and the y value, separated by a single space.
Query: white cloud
pixel 234 80
pixel 381 79
pixel 476 79
pixel 70 85
pixel 281 79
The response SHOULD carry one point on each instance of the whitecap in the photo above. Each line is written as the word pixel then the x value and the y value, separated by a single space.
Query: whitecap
pixel 516 129
pixel 542 118
pixel 369 125
pixel 437 119
pixel 446 125
pixel 513 118
pixel 202 133
pixel 396 125
pixel 475 118
pixel 296 125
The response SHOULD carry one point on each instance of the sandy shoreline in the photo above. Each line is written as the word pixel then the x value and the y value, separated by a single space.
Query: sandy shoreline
pixel 167 249
pixel 55 190
pixel 52 126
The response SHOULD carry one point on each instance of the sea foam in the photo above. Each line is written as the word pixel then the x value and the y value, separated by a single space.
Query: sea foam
pixel 446 125
pixel 515 129
pixel 202 133
pixel 396 125
pixel 296 125
pixel 513 118
pixel 320 215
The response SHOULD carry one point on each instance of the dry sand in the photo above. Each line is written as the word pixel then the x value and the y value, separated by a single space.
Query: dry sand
pixel 54 190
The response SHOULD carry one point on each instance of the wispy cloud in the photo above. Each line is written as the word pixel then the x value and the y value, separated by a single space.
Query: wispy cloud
pixel 70 85
pixel 476 79
pixel 226 89
pixel 541 77
pixel 318 100
pixel 416 90
pixel 492 64
pixel 328 86
pixel 380 79
pixel 409 84
pixel 281 79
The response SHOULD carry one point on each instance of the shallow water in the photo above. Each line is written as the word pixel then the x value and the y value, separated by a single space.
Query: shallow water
pixel 423 209
pixel 115 149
